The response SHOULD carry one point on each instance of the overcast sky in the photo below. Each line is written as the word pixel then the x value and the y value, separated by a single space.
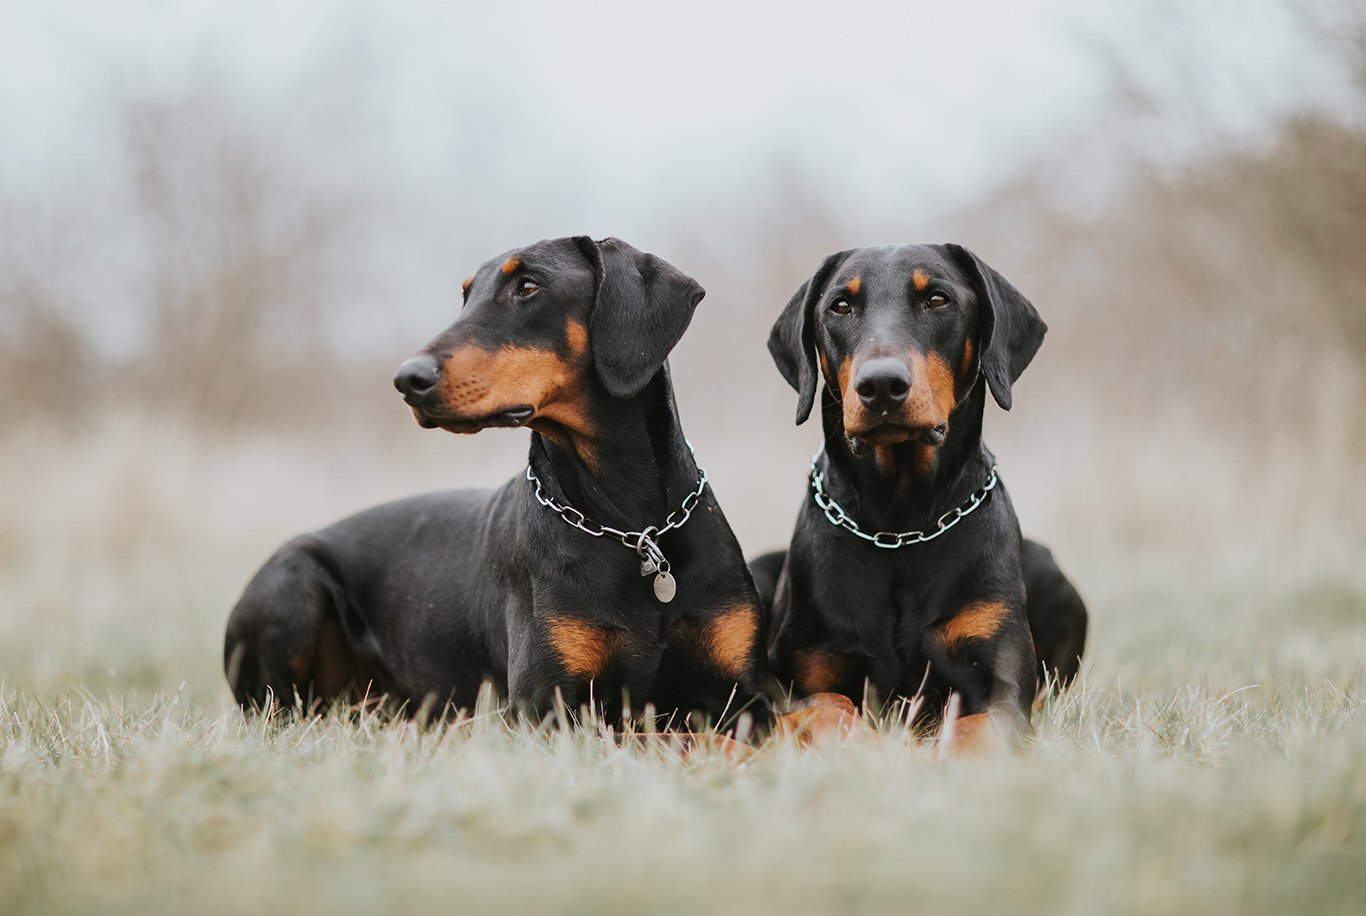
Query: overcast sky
pixel 498 123
pixel 861 93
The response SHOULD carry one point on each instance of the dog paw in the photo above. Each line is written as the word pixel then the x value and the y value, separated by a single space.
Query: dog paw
pixel 819 724
pixel 827 700
pixel 975 736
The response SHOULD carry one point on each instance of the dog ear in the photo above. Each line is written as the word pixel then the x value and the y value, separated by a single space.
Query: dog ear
pixel 1009 328
pixel 792 342
pixel 642 308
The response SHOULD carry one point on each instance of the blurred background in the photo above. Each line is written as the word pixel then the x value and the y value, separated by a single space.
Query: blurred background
pixel 223 225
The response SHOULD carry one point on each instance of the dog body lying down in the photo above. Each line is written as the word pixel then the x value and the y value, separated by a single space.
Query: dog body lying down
pixel 423 599
pixel 904 577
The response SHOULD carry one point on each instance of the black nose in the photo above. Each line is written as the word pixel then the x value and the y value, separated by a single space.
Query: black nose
pixel 883 384
pixel 416 377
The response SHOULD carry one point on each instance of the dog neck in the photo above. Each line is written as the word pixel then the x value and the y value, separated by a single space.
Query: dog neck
pixel 909 484
pixel 632 469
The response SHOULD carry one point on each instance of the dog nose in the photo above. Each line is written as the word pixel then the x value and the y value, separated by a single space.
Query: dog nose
pixel 416 377
pixel 882 384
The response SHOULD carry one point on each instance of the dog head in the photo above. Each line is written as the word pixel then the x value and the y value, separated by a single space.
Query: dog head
pixel 546 331
pixel 900 335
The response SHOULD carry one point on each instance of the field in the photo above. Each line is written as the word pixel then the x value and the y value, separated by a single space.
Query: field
pixel 1209 761
pixel 222 226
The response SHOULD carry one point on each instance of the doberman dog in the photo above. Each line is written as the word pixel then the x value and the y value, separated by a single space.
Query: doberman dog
pixel 955 611
pixel 605 574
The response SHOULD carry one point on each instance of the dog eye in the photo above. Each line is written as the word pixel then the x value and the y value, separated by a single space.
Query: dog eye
pixel 841 306
pixel 527 287
pixel 937 300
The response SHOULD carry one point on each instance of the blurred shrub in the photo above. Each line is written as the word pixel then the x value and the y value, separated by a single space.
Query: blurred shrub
pixel 47 368
pixel 1232 286
pixel 227 252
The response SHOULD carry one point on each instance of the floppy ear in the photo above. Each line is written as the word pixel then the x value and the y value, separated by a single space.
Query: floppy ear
pixel 1009 329
pixel 642 308
pixel 792 342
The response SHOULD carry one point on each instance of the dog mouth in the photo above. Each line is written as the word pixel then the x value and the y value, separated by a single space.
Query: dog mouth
pixel 894 433
pixel 509 417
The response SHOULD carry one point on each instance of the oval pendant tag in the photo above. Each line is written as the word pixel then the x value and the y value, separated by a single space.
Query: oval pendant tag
pixel 665 587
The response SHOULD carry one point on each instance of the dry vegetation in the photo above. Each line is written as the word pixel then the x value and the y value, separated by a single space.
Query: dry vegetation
pixel 1209 761
pixel 1189 440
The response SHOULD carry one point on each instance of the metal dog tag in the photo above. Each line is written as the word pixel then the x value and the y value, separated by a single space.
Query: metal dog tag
pixel 665 587
pixel 648 566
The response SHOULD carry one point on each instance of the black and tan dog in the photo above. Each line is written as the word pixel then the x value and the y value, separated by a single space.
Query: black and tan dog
pixel 904 575
pixel 608 567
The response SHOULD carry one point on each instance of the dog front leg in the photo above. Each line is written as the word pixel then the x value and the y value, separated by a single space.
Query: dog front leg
pixel 985 714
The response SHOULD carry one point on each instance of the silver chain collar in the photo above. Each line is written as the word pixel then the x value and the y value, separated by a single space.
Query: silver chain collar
pixel 645 543
pixel 892 540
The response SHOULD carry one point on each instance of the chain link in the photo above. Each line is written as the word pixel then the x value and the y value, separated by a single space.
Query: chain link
pixel 892 540
pixel 646 542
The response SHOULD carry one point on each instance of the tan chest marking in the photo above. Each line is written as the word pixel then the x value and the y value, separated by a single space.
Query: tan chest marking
pixel 728 638
pixel 980 620
pixel 817 671
pixel 583 648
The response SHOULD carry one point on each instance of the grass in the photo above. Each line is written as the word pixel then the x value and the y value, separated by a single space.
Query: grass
pixel 1210 760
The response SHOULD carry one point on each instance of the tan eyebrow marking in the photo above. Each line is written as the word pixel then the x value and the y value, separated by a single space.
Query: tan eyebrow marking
pixel 920 279
pixel 511 264
pixel 855 285
pixel 466 285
